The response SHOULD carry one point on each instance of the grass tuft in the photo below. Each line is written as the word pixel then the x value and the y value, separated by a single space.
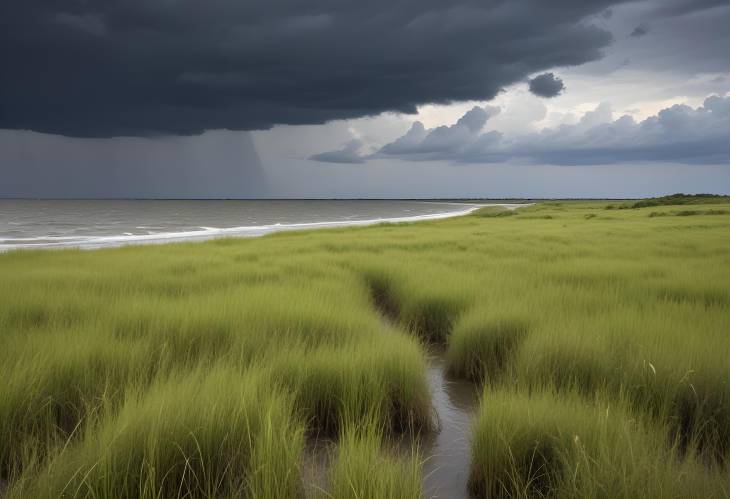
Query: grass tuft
pixel 483 343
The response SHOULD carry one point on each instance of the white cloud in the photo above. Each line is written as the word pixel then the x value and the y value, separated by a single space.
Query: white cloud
pixel 677 133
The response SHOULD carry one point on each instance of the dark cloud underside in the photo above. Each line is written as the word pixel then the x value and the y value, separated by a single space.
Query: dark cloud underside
pixel 546 85
pixel 641 30
pixel 348 154
pixel 146 67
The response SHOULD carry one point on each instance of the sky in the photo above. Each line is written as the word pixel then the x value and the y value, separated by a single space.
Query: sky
pixel 377 99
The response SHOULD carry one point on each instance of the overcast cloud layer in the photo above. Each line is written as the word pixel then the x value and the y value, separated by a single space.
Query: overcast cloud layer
pixel 145 67
pixel 94 97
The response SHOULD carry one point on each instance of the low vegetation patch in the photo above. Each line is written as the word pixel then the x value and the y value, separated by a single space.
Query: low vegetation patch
pixel 680 199
pixel 688 213
pixel 494 212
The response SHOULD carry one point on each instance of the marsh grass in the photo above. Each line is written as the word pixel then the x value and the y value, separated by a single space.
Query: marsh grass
pixel 558 443
pixel 367 466
pixel 210 433
pixel 198 370
pixel 483 343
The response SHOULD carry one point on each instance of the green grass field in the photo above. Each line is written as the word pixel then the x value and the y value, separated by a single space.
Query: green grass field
pixel 600 338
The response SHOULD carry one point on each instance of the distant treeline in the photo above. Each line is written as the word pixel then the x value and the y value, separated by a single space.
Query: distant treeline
pixel 673 200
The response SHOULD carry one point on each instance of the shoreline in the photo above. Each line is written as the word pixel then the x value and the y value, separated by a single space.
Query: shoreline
pixel 208 233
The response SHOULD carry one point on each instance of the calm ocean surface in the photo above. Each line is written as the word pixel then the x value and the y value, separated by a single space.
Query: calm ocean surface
pixel 95 224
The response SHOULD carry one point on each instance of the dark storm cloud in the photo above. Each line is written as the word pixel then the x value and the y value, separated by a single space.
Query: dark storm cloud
pixel 685 36
pixel 674 8
pixel 639 31
pixel 546 85
pixel 147 67
pixel 679 134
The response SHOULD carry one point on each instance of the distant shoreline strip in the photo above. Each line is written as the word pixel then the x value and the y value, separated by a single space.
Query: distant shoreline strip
pixel 206 233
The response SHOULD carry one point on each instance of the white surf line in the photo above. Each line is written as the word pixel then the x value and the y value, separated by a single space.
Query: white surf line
pixel 205 233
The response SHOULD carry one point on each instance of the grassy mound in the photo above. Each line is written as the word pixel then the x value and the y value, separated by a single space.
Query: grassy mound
pixel 483 342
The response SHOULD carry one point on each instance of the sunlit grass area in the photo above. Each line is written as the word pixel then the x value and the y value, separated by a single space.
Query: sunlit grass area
pixel 600 338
